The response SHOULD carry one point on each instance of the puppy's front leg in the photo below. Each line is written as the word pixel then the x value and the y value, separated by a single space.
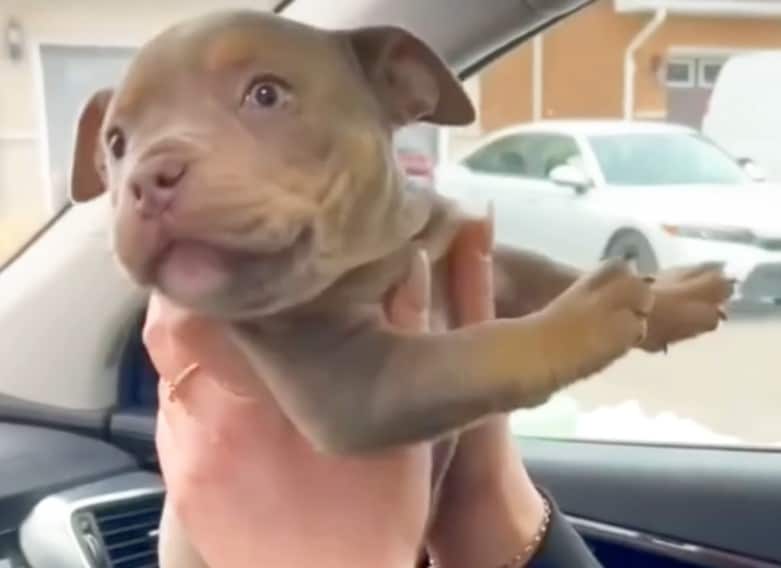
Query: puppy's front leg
pixel 525 282
pixel 353 385
pixel 688 299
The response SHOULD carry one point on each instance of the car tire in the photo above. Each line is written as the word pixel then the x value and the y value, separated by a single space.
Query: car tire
pixel 635 248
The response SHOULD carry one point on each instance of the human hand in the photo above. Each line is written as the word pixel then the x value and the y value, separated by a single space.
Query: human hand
pixel 489 509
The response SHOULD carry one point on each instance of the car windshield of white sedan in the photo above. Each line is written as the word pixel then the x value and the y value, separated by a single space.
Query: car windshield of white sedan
pixel 664 160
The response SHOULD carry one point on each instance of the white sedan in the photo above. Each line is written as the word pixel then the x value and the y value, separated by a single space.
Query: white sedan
pixel 658 194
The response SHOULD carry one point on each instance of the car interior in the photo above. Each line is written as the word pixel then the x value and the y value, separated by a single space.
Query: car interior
pixel 79 479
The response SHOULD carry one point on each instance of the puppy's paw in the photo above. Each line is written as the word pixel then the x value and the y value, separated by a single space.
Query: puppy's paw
pixel 689 302
pixel 597 320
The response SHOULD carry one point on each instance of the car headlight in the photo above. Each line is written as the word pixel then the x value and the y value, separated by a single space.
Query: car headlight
pixel 729 234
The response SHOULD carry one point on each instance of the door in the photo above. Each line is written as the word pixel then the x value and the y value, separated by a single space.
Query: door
pixel 557 218
pixel 497 173
pixel 70 75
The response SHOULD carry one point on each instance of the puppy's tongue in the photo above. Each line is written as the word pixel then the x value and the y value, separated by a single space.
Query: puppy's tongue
pixel 189 271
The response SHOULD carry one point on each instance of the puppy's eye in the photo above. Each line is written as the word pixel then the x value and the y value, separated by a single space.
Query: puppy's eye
pixel 115 140
pixel 267 93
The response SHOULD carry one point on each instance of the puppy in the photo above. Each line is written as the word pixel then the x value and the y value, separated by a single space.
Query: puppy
pixel 249 163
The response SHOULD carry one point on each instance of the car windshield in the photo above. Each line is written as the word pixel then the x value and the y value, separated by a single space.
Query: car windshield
pixel 687 159
pixel 676 133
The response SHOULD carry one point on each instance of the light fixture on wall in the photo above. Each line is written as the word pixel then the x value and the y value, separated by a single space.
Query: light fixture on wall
pixel 14 40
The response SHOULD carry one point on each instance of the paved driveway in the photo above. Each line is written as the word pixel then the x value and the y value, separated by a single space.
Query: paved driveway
pixel 729 381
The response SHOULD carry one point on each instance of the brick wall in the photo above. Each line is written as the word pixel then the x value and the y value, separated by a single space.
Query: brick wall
pixel 583 72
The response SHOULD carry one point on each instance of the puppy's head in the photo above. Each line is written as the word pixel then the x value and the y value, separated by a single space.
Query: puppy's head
pixel 248 158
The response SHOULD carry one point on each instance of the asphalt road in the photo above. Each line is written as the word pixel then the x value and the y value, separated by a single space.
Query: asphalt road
pixel 729 381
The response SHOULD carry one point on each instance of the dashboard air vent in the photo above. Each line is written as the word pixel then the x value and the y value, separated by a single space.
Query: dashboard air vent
pixel 128 531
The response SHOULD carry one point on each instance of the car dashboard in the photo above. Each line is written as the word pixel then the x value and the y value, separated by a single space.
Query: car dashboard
pixel 93 499
pixel 68 499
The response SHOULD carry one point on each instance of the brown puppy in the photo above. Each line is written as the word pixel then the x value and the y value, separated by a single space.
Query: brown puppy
pixel 250 167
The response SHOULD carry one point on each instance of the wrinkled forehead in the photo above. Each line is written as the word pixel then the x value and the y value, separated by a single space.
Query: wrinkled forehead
pixel 221 47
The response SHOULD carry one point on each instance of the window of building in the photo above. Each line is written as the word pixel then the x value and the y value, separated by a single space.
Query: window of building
pixel 680 73
pixel 707 72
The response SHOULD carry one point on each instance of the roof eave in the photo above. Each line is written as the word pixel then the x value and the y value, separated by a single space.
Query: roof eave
pixel 715 8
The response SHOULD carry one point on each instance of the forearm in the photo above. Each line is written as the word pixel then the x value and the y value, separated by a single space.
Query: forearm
pixel 562 546
pixel 489 509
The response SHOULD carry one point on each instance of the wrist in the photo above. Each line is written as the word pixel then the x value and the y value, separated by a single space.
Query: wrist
pixel 489 525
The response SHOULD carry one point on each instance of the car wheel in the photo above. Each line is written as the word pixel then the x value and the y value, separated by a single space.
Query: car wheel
pixel 635 248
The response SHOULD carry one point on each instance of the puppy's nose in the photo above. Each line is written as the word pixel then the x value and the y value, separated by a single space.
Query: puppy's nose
pixel 155 182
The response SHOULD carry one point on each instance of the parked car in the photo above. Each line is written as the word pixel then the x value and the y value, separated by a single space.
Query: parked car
pixel 416 151
pixel 660 195
pixel 743 114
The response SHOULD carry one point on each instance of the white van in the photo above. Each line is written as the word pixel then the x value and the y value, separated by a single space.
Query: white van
pixel 744 112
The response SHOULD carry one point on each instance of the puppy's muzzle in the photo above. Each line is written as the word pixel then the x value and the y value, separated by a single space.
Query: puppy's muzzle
pixel 155 182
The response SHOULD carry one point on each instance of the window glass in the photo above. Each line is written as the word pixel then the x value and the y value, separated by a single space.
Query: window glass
pixel 700 70
pixel 709 72
pixel 680 73
pixel 525 155
pixel 667 142
pixel 664 160
pixel 505 156
pixel 550 151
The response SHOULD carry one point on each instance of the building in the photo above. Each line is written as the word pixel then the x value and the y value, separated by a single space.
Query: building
pixel 649 59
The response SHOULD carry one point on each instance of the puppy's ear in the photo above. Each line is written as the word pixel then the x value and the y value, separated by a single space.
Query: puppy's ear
pixel 85 180
pixel 411 81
